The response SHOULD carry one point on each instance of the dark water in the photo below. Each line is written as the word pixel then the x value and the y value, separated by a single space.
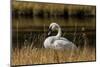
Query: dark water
pixel 33 31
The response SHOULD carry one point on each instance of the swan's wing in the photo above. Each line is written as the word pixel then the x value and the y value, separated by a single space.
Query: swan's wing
pixel 62 38
pixel 64 44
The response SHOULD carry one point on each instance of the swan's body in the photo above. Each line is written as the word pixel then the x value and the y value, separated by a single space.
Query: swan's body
pixel 58 42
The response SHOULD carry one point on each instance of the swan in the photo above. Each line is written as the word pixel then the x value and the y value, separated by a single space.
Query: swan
pixel 57 42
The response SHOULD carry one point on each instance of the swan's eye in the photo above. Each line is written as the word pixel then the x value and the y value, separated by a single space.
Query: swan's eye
pixel 49 29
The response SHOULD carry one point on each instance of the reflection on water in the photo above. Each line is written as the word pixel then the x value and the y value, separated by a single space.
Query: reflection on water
pixel 36 22
pixel 34 30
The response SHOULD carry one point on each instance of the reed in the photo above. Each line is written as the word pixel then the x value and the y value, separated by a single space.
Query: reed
pixel 29 54
pixel 33 51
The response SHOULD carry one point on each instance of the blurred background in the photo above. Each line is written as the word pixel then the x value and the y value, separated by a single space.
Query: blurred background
pixel 30 22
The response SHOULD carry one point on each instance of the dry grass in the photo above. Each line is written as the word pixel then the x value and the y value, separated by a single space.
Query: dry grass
pixel 31 55
pixel 27 55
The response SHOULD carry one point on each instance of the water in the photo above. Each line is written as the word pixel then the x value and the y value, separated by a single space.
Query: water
pixel 27 31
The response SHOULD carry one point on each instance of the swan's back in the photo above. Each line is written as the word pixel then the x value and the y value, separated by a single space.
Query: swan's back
pixel 63 43
pixel 58 43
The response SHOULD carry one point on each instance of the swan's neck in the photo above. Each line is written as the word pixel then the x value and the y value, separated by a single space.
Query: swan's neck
pixel 59 32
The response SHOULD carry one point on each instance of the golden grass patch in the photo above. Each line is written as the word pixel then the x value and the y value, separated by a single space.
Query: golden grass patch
pixel 27 55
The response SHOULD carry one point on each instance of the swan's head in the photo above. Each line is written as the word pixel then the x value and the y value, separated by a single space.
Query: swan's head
pixel 52 27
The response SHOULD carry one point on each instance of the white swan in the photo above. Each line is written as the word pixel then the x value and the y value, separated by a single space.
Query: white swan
pixel 57 42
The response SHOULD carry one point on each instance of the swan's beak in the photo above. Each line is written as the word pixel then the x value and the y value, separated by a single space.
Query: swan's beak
pixel 49 32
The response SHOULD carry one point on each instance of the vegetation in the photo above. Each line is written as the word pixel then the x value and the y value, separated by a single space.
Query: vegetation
pixel 39 15
pixel 27 55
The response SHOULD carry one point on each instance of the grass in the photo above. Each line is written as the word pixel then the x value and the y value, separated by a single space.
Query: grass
pixel 27 55
pixel 31 55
